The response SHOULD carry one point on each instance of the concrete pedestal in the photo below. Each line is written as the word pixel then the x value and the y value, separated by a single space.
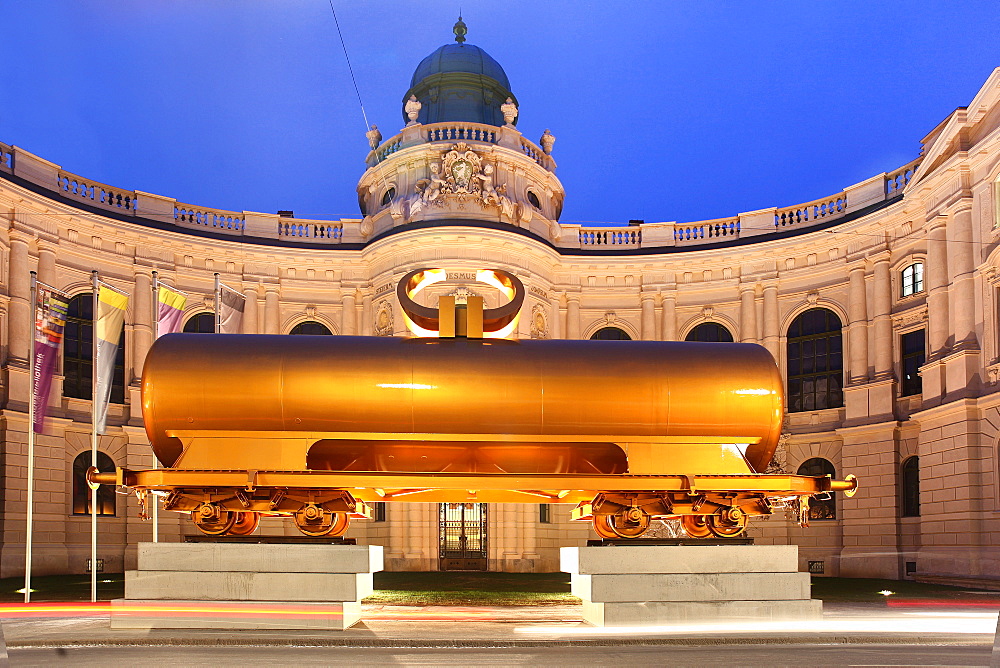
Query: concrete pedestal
pixel 646 585
pixel 246 586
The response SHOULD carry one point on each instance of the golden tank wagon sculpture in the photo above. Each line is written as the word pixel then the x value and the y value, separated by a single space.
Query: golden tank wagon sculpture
pixel 319 427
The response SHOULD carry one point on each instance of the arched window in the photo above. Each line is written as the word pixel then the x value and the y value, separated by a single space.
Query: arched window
pixel 912 279
pixel 81 492
pixel 202 323
pixel 815 362
pixel 611 334
pixel 311 327
pixel 910 486
pixel 824 507
pixel 387 197
pixel 78 353
pixel 710 332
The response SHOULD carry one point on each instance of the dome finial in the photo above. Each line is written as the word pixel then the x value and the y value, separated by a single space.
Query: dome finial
pixel 460 30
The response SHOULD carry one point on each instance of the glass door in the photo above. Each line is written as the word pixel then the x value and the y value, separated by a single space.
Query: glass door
pixel 462 528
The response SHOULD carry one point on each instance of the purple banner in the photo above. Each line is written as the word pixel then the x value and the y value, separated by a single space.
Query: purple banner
pixel 50 320
pixel 169 311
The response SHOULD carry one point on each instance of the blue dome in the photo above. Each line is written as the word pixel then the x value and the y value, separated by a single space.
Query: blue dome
pixel 460 58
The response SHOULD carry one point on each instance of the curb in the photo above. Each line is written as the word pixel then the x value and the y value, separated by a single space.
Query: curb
pixel 979 640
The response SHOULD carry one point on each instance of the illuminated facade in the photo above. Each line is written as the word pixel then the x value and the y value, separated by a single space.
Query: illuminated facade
pixel 879 304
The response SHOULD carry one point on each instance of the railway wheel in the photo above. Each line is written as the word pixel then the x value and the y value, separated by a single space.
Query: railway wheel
pixel 315 521
pixel 731 522
pixel 696 526
pixel 602 526
pixel 629 523
pixel 213 520
pixel 245 524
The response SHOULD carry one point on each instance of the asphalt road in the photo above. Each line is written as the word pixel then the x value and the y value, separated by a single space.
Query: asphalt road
pixel 770 656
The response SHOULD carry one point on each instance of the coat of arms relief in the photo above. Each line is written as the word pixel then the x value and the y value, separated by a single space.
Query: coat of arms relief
pixel 462 178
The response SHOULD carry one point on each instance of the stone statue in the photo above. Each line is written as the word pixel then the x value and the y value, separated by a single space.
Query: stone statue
pixel 412 109
pixel 489 191
pixel 374 137
pixel 509 111
pixel 547 140
pixel 433 188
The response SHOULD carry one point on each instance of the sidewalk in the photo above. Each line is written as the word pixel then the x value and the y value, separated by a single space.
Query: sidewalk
pixel 443 626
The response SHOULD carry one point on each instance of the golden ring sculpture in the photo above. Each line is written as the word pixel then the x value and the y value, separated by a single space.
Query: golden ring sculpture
pixel 427 319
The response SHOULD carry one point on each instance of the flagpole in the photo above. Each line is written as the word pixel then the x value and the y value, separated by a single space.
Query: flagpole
pixel 93 438
pixel 153 499
pixel 218 294
pixel 31 440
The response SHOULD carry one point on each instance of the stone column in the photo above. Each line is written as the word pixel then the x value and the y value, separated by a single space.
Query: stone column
pixel 47 263
pixel 857 327
pixel 349 313
pixel 573 317
pixel 272 311
pixel 556 330
pixel 529 518
pixel 20 296
pixel 648 321
pixel 772 322
pixel 748 313
pixel 882 320
pixel 250 317
pixel 961 268
pixel 936 275
pixel 669 317
pixel 367 318
pixel 142 320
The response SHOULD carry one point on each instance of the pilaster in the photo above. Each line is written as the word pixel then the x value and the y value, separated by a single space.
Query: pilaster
pixel 871 518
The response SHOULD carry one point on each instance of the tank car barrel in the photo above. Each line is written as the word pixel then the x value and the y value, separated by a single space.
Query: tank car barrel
pixel 463 390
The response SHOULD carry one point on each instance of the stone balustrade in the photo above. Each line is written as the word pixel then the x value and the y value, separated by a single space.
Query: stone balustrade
pixel 95 193
pixel 721 228
pixel 231 221
pixel 897 180
pixel 6 159
pixel 141 205
pixel 332 232
pixel 456 131
pixel 42 173
pixel 610 236
pixel 830 207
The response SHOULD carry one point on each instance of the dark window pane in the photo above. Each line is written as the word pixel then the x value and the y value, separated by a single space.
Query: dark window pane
pixel 611 334
pixel 311 328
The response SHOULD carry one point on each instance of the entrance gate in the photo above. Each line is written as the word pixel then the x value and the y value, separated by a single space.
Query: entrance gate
pixel 463 536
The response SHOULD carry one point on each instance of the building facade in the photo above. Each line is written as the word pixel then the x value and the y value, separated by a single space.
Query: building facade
pixel 879 303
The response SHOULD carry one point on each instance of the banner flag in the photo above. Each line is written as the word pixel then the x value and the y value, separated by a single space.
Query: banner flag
pixel 110 316
pixel 50 320
pixel 169 310
pixel 231 305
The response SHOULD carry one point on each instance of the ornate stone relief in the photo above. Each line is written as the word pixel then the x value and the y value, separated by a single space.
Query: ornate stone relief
pixel 383 319
pixel 462 177
pixel 539 323
pixel 909 318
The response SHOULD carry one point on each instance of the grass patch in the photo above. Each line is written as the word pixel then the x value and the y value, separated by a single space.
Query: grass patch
pixel 58 588
pixel 864 590
pixel 471 588
pixel 479 588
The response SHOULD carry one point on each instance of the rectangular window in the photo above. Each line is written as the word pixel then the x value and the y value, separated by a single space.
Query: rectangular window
pixel 912 346
pixel 545 513
pixel 378 511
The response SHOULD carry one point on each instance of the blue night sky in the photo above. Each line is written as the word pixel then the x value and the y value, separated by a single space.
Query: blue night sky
pixel 662 111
